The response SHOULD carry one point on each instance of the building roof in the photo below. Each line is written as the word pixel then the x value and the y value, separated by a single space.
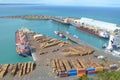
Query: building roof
pixel 100 24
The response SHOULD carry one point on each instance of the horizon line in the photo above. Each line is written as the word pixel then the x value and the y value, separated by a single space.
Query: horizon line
pixel 43 4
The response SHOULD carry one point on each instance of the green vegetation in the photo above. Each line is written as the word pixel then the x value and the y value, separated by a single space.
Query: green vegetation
pixel 112 75
pixel 83 78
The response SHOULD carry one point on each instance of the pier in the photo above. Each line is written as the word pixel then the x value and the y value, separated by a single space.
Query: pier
pixel 72 38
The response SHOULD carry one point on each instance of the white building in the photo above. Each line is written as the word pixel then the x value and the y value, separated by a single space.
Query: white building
pixel 98 24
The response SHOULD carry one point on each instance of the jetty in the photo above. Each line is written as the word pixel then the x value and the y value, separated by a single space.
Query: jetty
pixel 72 38
pixel 62 20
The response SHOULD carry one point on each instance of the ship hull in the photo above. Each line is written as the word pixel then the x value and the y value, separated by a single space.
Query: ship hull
pixel 25 54
pixel 90 31
pixel 22 44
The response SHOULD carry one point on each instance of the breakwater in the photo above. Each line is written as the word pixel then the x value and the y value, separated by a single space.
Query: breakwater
pixel 29 17
pixel 60 19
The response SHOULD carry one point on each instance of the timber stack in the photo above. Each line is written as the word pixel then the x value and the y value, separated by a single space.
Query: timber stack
pixel 79 67
pixel 18 69
pixel 80 51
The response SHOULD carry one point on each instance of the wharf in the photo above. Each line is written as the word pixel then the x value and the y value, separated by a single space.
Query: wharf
pixel 60 20
pixel 44 49
pixel 74 39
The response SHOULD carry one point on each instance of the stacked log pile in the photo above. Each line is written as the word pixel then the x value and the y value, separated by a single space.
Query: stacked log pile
pixel 17 69
pixel 3 70
pixel 64 44
pixel 76 64
pixel 59 65
pixel 46 42
pixel 80 51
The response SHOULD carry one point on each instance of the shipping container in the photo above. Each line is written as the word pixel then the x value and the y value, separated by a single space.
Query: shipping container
pixel 72 72
pixel 90 69
pixel 99 69
pixel 63 74
pixel 81 72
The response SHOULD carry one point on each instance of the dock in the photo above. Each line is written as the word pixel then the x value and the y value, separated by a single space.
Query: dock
pixel 73 38
pixel 61 20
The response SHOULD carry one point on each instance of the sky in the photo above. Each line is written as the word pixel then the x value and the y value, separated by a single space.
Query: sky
pixel 105 3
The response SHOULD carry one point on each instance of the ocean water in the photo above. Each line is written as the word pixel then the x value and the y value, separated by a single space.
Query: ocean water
pixel 9 26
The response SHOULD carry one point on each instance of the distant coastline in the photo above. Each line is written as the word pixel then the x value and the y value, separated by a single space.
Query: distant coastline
pixel 20 4
pixel 42 4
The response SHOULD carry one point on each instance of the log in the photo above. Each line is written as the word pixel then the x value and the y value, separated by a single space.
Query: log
pixel 21 70
pixel 17 72
pixel 32 66
pixel 52 44
pixel 67 65
pixel 81 63
pixel 61 66
pixel 58 66
pixel 69 54
pixel 14 69
pixel 4 70
pixel 73 64
pixel 28 67
pixel 24 68
pixel 77 64
pixel 10 67
pixel 52 63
